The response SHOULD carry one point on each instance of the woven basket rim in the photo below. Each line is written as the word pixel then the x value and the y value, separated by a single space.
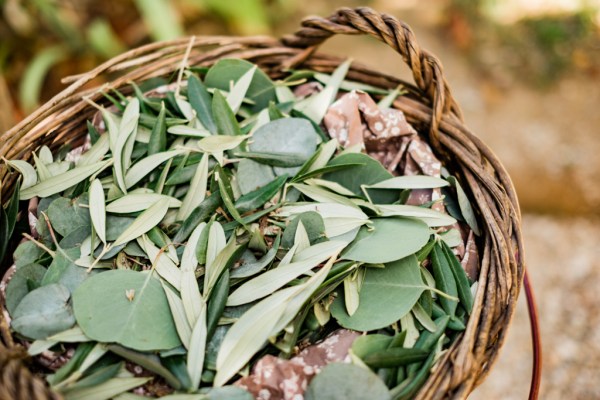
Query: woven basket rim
pixel 429 105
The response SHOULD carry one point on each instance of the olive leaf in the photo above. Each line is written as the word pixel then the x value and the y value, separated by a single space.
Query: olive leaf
pixel 431 217
pixel 162 264
pixel 98 209
pixel 410 182
pixel 135 202
pixel 143 167
pixel 465 206
pixel 197 191
pixel 106 390
pixel 190 131
pixel 157 142
pixel 58 183
pixel 30 177
pixel 195 355
pixel 144 222
pixel 121 145
pixel 190 294
pixel 200 100
pixel 219 143
pixel 96 153
pixel 239 89
pixel 184 330
pixel 268 282
pixel 106 313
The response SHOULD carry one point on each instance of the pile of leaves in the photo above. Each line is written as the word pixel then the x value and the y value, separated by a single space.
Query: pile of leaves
pixel 211 233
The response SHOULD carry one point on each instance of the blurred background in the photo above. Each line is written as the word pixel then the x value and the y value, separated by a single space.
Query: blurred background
pixel 526 72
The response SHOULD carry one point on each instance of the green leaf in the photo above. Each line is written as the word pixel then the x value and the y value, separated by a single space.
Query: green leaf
pixel 184 130
pixel 387 239
pixel 8 220
pixel 224 116
pixel 460 276
pixel 193 303
pixel 369 173
pixel 268 282
pixel 30 177
pixel 184 330
pixel 368 344
pixel 96 153
pixel 338 381
pixel 58 183
pixel 239 90
pixel 224 183
pixel 295 136
pixel 315 106
pixel 254 200
pixel 135 202
pixel 444 279
pixel 121 147
pixel 313 223
pixel 27 253
pixel 98 209
pixel 105 312
pixel 162 263
pixel 287 160
pixel 252 176
pixel 201 101
pixel 394 357
pixel 386 295
pixel 145 166
pixel 195 356
pixel 144 222
pixel 431 217
pixel 25 279
pixel 410 182
pixel 67 215
pixel 465 206
pixel 261 90
pixel 43 312
pixel 64 271
pixel 106 390
pixel 199 214
pixel 216 303
pixel 248 269
pixel 219 143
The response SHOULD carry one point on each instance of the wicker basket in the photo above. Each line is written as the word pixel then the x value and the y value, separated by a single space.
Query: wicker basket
pixel 429 106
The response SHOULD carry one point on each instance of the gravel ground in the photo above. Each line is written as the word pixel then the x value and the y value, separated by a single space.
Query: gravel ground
pixel 563 259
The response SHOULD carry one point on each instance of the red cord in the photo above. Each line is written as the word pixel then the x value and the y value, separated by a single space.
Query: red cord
pixel 536 373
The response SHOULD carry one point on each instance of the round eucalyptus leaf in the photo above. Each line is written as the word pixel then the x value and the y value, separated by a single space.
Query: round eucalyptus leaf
pixel 252 175
pixel 126 307
pixel 44 312
pixel 286 136
pixel 386 295
pixel 387 239
pixel 370 172
pixel 25 279
pixel 339 381
pixel 261 89
pixel 67 215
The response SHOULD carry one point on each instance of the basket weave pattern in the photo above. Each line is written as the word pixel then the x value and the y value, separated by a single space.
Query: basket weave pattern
pixel 429 107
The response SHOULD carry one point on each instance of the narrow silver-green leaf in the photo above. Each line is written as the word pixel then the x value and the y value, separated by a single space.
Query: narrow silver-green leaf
pixel 134 202
pixel 27 171
pixel 423 318
pixel 190 293
pixel 59 183
pixel 163 265
pixel 351 294
pixel 148 164
pixel 195 355
pixel 144 222
pixel 268 282
pixel 96 152
pixel 220 143
pixel 106 390
pixel 197 191
pixel 240 88
pixel 98 209
pixel 184 331
pixel 119 148
pixel 431 217
pixel 185 130
pixel 410 182
pixel 42 170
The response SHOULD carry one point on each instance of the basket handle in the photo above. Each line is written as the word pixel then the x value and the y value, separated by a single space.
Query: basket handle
pixel 426 68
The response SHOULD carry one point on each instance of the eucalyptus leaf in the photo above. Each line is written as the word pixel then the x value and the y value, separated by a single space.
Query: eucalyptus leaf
pixel 67 215
pixel 386 295
pixel 141 321
pixel 43 312
pixel 25 279
pixel 338 381
pixel 387 239
pixel 252 175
